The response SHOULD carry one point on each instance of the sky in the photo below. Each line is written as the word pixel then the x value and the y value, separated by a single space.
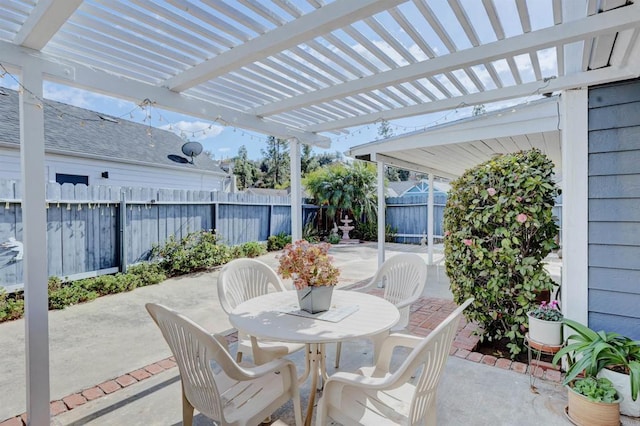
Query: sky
pixel 224 141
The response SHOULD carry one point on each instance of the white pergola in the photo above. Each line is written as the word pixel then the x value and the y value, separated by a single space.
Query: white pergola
pixel 304 70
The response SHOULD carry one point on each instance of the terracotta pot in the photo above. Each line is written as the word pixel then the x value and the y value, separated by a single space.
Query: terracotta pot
pixel 584 412
pixel 622 383
pixel 545 332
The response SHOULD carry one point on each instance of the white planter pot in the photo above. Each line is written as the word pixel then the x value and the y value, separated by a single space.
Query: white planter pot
pixel 622 383
pixel 545 332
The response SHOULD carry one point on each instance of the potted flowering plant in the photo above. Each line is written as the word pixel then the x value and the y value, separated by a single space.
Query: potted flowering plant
pixel 545 324
pixel 309 265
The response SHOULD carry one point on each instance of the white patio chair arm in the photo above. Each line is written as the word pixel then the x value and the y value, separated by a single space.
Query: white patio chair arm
pixel 268 368
pixel 358 380
pixel 390 343
pixel 407 302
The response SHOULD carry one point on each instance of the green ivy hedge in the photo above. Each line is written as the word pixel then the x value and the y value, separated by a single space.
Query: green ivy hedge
pixel 498 229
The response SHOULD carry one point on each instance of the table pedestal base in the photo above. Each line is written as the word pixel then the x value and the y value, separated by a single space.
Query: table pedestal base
pixel 316 365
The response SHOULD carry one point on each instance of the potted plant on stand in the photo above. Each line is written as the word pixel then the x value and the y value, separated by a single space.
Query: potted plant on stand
pixel 608 355
pixel 592 401
pixel 314 277
pixel 545 326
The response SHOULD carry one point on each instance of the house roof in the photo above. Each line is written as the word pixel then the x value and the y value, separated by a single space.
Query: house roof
pixel 80 132
pixel 399 188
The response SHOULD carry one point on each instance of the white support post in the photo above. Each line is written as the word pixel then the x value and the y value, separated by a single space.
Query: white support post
pixel 430 221
pixel 381 214
pixel 575 203
pixel 296 193
pixel 34 219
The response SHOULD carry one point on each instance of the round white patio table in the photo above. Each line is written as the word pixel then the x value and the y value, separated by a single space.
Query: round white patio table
pixel 265 317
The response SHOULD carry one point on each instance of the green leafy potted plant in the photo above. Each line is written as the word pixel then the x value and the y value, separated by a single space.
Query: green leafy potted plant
pixel 545 324
pixel 309 265
pixel 606 354
pixel 593 402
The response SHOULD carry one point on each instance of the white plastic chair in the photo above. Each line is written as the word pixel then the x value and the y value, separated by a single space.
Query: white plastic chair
pixel 377 396
pixel 214 384
pixel 244 279
pixel 403 277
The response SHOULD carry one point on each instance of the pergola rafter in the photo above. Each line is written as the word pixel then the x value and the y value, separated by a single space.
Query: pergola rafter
pixel 295 69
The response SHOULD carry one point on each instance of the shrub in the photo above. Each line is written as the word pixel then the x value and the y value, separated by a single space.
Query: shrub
pixel 498 228
pixel 11 306
pixel 148 273
pixel 63 294
pixel 237 252
pixel 368 231
pixel 278 241
pixel 196 251
pixel 253 249
pixel 333 238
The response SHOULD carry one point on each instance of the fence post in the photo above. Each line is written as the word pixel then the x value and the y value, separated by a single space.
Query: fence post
pixel 123 233
pixel 270 227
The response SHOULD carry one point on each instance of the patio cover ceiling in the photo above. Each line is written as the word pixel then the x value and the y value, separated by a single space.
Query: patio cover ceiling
pixel 311 68
pixel 450 149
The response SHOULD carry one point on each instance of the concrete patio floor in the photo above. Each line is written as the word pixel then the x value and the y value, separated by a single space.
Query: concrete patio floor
pixel 110 341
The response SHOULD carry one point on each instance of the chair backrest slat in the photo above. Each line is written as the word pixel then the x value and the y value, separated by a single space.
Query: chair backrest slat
pixel 404 277
pixel 197 355
pixel 243 279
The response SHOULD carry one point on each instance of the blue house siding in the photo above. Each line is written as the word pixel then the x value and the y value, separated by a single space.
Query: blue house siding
pixel 614 208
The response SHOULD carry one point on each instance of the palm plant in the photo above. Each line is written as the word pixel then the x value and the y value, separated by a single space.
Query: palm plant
pixel 592 351
pixel 345 189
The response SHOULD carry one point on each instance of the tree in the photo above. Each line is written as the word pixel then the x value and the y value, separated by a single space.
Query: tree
pixel 393 174
pixel 308 160
pixel 275 164
pixel 384 129
pixel 499 227
pixel 345 189
pixel 478 110
pixel 244 168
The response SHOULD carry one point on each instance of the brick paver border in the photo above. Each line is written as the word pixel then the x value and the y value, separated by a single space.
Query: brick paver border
pixel 426 314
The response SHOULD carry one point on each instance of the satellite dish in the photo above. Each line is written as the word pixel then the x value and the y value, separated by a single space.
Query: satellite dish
pixel 192 149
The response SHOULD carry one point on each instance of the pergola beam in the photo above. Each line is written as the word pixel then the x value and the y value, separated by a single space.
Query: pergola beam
pixel 407 165
pixel 44 22
pixel 539 117
pixel 592 26
pixel 111 85
pixel 588 78
pixel 314 24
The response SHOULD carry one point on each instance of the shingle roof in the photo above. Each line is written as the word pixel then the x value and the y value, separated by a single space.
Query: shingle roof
pixel 399 187
pixel 124 140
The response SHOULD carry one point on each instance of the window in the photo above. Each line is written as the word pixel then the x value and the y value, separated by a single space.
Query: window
pixel 74 179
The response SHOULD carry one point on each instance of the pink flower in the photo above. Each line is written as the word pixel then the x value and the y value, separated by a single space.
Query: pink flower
pixel 467 242
pixel 519 199
pixel 491 191
pixel 522 218
pixel 447 233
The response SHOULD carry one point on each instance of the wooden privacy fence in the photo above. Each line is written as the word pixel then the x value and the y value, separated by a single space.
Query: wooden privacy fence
pixel 95 230
pixel 408 215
